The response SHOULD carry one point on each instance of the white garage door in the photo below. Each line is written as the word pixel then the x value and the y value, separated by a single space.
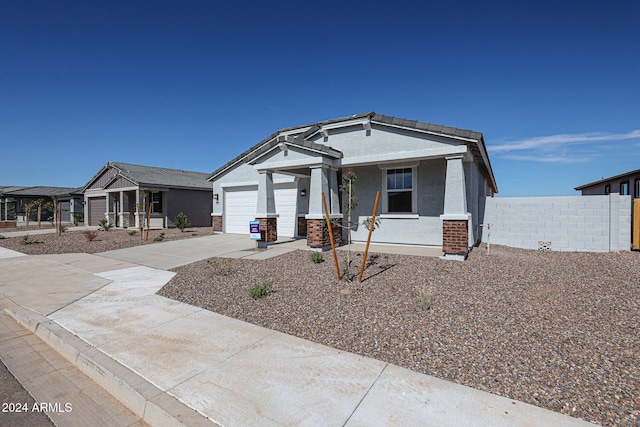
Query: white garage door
pixel 240 208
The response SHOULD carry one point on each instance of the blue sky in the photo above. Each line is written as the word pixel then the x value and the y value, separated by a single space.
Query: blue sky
pixel 553 86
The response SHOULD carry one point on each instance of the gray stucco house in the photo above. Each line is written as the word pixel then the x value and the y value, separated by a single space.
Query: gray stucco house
pixel 115 191
pixel 433 181
pixel 13 200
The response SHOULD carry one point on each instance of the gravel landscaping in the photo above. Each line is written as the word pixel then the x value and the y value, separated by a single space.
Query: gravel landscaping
pixel 557 330
pixel 75 240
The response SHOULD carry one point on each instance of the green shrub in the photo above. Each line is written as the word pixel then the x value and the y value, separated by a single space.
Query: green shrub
pixel 27 241
pixel 63 228
pixel 159 238
pixel 317 257
pixel 181 221
pixel 2 237
pixel 76 218
pixel 426 303
pixel 105 224
pixel 132 233
pixel 261 290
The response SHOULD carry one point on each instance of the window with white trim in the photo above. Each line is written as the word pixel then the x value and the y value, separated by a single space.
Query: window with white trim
pixel 400 194
pixel 156 200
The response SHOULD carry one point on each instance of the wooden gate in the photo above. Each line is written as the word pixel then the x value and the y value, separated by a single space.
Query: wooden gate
pixel 636 225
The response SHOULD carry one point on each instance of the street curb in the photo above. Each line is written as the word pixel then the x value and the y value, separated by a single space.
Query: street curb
pixel 154 406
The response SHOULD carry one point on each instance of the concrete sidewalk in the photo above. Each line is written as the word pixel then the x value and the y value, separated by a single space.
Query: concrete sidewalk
pixel 176 364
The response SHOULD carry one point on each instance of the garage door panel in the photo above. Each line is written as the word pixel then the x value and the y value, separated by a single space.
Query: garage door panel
pixel 97 209
pixel 240 208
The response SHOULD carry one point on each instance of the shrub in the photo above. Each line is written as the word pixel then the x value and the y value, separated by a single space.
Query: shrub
pixel 27 241
pixel 132 233
pixel 90 235
pixel 105 224
pixel 2 237
pixel 426 303
pixel 76 218
pixel 63 228
pixel 220 267
pixel 159 238
pixel 181 222
pixel 261 290
pixel 317 257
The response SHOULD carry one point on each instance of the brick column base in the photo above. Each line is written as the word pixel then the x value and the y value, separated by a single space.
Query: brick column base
pixel 302 226
pixel 455 237
pixel 216 221
pixel 268 229
pixel 318 234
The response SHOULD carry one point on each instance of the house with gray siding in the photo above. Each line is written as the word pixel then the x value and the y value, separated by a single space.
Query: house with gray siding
pixel 433 182
pixel 123 193
pixel 13 201
pixel 625 184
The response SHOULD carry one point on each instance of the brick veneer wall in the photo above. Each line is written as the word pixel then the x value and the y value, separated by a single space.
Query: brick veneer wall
pixel 302 226
pixel 318 234
pixel 455 237
pixel 269 229
pixel 217 222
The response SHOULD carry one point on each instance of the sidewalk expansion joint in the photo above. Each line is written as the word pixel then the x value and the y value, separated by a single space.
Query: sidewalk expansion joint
pixel 365 395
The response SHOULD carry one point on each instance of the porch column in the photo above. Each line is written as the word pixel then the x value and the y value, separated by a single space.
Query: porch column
pixel 266 207
pixel 455 219
pixel 334 208
pixel 138 210
pixel 323 180
pixel 121 213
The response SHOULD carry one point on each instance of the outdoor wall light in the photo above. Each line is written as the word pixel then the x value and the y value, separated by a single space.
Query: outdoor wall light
pixel 303 193
pixel 216 197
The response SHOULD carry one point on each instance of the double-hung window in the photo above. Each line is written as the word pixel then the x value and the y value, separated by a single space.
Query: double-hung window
pixel 399 191
pixel 156 201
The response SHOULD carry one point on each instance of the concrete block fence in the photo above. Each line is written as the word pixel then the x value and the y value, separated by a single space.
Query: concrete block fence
pixel 567 223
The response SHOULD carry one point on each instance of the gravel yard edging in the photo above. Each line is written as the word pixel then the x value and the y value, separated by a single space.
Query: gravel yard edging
pixel 554 329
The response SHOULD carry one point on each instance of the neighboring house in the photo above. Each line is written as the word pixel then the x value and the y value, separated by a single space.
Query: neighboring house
pixel 14 199
pixel 115 192
pixel 433 182
pixel 625 184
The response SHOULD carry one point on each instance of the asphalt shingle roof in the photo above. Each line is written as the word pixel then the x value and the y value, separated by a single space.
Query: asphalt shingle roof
pixel 476 140
pixel 149 175
pixel 38 191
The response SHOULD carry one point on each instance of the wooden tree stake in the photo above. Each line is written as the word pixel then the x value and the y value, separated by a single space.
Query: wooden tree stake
pixel 372 225
pixel 333 246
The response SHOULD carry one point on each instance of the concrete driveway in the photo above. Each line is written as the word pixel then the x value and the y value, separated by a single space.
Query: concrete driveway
pixel 167 255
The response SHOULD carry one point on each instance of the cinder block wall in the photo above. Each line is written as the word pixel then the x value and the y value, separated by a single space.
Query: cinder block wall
pixel 571 223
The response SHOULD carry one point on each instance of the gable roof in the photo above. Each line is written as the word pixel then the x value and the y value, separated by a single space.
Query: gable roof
pixel 39 191
pixel 611 178
pixel 474 140
pixel 155 176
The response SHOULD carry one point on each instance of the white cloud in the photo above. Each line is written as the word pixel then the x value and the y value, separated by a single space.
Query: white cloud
pixel 554 142
pixel 560 158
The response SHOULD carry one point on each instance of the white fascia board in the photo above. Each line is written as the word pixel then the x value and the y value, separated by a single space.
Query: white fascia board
pixel 404 156
pixel 295 131
pixel 354 122
pixel 324 129
pixel 443 135
pixel 285 179
pixel 117 190
pixel 293 146
pixel 294 164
